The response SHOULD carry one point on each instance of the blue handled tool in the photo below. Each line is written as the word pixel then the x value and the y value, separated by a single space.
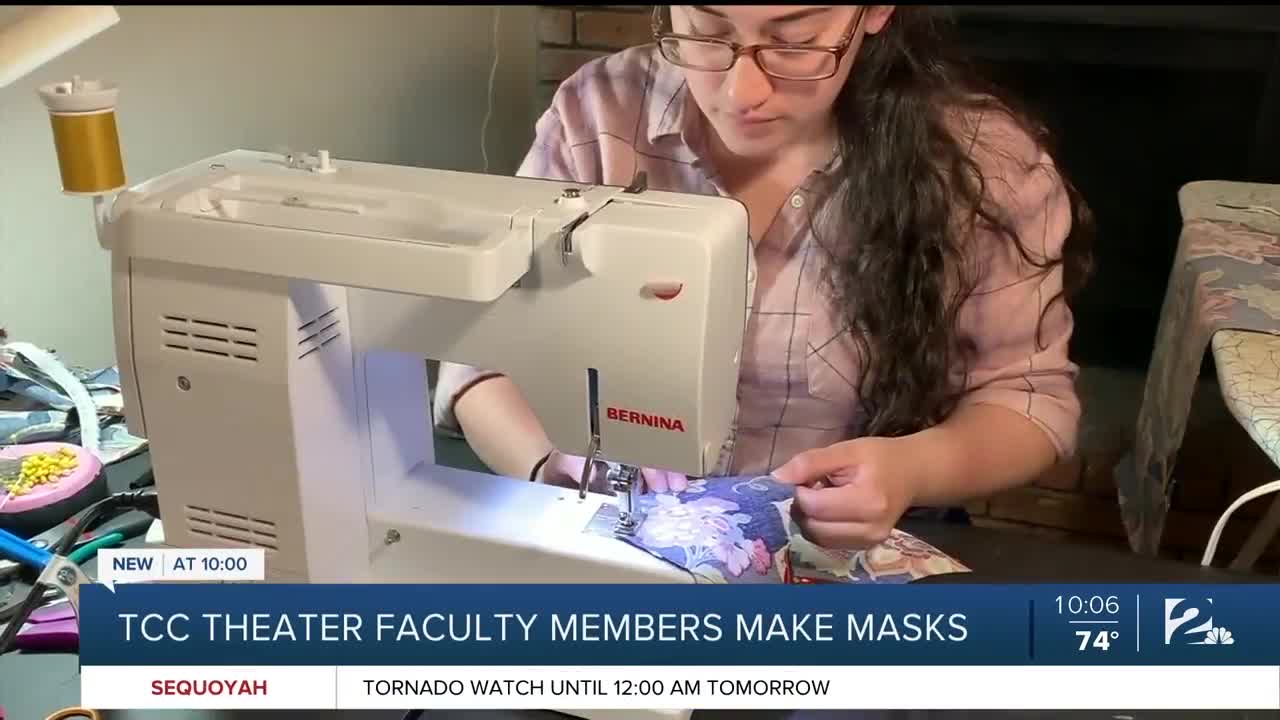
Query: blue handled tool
pixel 60 573
pixel 55 571
pixel 16 548
pixel 129 524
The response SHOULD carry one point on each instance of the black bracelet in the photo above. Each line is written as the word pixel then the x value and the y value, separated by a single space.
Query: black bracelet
pixel 533 474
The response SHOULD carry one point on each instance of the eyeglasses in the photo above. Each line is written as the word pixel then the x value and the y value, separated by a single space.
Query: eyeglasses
pixel 785 61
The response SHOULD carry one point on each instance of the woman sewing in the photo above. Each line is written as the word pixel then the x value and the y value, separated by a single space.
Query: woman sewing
pixel 914 246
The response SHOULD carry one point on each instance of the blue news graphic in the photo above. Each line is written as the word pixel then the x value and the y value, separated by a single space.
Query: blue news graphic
pixel 594 625
pixel 1154 624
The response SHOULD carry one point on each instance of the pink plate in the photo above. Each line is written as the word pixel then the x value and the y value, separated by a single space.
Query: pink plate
pixel 43 495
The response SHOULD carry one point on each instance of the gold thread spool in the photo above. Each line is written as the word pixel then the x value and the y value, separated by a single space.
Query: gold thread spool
pixel 85 136
pixel 88 147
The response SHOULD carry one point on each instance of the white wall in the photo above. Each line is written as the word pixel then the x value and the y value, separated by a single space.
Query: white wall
pixel 386 84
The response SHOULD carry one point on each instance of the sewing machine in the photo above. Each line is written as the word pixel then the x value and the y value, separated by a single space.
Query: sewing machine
pixel 273 314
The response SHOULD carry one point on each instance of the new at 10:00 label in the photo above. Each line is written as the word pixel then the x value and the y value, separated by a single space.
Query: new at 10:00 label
pixel 212 563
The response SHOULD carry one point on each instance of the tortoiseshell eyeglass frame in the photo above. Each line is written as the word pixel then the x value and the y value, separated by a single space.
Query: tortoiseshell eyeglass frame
pixel 837 52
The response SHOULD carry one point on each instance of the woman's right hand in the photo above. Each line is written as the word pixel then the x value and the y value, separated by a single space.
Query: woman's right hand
pixel 566 471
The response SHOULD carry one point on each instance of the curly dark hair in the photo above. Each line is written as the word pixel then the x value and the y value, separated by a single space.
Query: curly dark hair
pixel 907 177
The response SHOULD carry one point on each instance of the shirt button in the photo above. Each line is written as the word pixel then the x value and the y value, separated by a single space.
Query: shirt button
pixel 797 202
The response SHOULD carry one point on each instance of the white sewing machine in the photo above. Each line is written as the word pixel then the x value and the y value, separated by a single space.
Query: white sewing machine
pixel 272 317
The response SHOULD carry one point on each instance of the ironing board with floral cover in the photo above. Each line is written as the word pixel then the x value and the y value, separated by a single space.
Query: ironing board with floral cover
pixel 739 530
pixel 1223 293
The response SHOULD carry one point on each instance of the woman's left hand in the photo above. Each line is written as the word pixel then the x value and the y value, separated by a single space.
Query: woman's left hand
pixel 850 495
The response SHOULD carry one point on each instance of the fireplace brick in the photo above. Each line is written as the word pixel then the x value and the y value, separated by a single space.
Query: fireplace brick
pixel 612 29
pixel 555 26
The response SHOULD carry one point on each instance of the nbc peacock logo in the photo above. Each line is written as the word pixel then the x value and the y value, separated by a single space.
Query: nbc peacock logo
pixel 1190 623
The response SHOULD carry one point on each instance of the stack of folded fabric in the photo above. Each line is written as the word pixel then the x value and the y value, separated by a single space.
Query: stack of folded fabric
pixel 42 400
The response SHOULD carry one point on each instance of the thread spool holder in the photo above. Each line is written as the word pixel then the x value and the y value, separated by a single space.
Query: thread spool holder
pixel 82 115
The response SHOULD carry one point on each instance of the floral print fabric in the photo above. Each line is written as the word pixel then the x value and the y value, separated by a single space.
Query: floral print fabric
pixel 1226 276
pixel 739 530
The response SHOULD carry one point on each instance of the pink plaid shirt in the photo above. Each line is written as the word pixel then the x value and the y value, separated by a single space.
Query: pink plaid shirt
pixel 797 389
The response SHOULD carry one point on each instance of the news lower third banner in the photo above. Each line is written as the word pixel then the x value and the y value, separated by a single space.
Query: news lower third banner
pixel 232 646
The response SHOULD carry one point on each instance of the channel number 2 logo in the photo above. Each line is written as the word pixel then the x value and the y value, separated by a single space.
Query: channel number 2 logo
pixel 1191 624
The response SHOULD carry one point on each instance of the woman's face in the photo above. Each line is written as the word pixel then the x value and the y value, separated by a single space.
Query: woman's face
pixel 756 114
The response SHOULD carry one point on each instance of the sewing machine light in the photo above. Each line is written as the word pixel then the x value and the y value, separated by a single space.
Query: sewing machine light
pixel 82 113
pixel 43 33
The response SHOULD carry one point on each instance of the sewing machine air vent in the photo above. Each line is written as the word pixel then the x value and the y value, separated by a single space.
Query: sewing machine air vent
pixel 210 337
pixel 238 530
pixel 318 332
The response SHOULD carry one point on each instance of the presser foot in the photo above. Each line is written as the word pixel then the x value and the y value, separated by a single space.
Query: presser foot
pixel 624 481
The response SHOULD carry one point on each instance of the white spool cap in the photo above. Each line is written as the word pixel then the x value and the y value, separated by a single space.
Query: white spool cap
pixel 80 96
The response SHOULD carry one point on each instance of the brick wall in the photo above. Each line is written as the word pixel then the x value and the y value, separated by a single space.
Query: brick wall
pixel 1076 501
pixel 1218 462
pixel 570 35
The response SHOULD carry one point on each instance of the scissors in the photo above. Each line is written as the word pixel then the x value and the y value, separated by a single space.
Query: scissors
pixel 59 573
pixel 11 598
pixel 52 628
pixel 75 712
pixel 128 525
pixel 55 572
pixel 14 594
